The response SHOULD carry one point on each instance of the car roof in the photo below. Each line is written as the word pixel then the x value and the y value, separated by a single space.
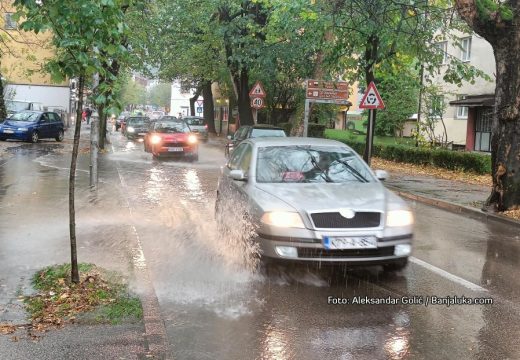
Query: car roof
pixel 291 141
pixel 265 126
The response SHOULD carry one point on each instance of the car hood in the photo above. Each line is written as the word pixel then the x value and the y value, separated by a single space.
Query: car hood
pixel 174 136
pixel 17 124
pixel 198 128
pixel 328 196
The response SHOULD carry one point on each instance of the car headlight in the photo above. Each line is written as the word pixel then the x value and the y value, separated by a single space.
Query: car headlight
pixel 396 218
pixel 156 139
pixel 192 139
pixel 23 129
pixel 283 219
pixel 130 129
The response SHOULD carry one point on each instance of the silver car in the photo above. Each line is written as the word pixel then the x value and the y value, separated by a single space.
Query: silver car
pixel 197 126
pixel 314 200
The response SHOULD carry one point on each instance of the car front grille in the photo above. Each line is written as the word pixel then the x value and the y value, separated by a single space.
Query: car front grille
pixel 174 144
pixel 350 253
pixel 334 220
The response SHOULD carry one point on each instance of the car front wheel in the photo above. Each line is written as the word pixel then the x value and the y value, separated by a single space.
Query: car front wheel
pixel 34 137
pixel 60 136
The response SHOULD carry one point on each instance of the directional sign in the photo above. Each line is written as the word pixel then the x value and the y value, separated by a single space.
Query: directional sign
pixel 199 109
pixel 257 90
pixel 333 85
pixel 200 102
pixel 257 103
pixel 372 99
pixel 326 94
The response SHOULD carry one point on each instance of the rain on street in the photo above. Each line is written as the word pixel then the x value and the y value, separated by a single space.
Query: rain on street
pixel 214 307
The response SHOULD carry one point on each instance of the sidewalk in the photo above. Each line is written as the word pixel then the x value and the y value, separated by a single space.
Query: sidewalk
pixel 456 196
pixel 34 234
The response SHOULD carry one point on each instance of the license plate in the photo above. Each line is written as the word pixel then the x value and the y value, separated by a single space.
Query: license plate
pixel 343 242
pixel 175 149
pixel 8 132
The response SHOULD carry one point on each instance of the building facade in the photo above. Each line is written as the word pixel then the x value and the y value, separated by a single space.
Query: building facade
pixel 467 109
pixel 23 55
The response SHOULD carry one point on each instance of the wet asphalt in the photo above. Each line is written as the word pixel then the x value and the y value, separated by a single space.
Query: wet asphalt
pixel 215 308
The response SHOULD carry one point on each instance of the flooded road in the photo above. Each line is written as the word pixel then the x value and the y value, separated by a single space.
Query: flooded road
pixel 214 307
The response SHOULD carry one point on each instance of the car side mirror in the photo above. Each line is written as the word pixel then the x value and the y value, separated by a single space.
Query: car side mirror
pixel 238 175
pixel 382 175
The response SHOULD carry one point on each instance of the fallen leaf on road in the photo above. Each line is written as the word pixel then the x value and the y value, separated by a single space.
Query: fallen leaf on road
pixel 7 329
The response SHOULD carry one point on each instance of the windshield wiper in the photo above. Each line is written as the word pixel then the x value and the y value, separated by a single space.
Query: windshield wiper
pixel 315 164
pixel 353 171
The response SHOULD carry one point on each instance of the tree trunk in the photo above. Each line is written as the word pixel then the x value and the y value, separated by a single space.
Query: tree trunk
pixel 3 110
pixel 209 110
pixel 194 99
pixel 502 31
pixel 241 86
pixel 102 126
pixel 505 132
pixel 72 179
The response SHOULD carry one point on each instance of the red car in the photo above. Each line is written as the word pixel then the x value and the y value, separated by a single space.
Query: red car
pixel 171 139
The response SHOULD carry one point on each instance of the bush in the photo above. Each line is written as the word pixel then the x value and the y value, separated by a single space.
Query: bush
pixel 316 130
pixel 452 160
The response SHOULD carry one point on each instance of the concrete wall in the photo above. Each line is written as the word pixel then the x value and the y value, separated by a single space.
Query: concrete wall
pixel 49 96
pixel 180 101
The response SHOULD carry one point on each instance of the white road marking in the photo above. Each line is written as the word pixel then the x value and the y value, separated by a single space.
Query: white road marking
pixel 447 275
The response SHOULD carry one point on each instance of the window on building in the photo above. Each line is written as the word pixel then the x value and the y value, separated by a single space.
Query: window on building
pixel 466 49
pixel 483 129
pixel 462 111
pixel 10 23
pixel 443 48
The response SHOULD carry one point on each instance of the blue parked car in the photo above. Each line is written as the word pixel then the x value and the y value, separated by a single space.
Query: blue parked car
pixel 32 126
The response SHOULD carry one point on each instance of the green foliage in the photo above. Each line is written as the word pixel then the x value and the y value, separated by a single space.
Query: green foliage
pixel 160 95
pixel 316 130
pixel 452 160
pixel 287 126
pixel 486 7
pixel 401 94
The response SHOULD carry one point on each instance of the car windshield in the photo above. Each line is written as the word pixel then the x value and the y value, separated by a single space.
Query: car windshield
pixel 171 127
pixel 256 133
pixel 195 121
pixel 24 116
pixel 137 122
pixel 168 118
pixel 310 164
pixel 16 105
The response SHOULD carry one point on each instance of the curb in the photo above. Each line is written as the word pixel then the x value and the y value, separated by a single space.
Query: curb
pixel 456 208
pixel 154 337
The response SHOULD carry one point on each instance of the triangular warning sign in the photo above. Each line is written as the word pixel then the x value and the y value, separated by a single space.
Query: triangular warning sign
pixel 372 99
pixel 257 90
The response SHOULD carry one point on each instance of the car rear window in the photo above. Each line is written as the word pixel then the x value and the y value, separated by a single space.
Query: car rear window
pixel 256 133
pixel 195 121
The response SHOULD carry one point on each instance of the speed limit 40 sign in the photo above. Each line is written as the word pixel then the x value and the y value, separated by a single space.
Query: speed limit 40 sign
pixel 257 103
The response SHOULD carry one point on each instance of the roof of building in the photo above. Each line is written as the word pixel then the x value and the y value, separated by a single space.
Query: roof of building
pixel 475 101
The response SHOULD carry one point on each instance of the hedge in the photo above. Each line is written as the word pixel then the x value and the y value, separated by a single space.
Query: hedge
pixel 452 160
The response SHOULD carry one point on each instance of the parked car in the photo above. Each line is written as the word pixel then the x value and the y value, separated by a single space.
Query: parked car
pixel 32 126
pixel 136 127
pixel 252 131
pixel 14 106
pixel 314 201
pixel 197 126
pixel 171 139
pixel 154 115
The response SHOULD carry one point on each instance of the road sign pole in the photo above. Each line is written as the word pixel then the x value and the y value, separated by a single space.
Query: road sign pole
pixel 370 136
pixel 255 115
pixel 306 119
